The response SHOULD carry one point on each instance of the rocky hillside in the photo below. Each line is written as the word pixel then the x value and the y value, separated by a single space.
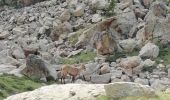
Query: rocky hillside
pixel 116 40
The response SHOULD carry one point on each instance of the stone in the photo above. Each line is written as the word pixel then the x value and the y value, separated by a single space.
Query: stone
pixel 98 4
pixel 150 50
pixel 36 68
pixel 147 3
pixel 125 78
pixel 160 85
pixel 161 66
pixel 6 68
pixel 18 54
pixel 105 69
pixel 169 72
pixel 75 52
pixel 96 18
pixel 79 10
pixel 130 62
pixel 101 79
pixel 113 64
pixel 88 92
pixel 149 63
pixel 4 34
pixel 128 45
pixel 142 81
pixel 116 73
pixel 65 16
pixel 114 90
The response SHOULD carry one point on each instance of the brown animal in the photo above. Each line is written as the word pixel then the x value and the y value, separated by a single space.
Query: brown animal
pixel 72 71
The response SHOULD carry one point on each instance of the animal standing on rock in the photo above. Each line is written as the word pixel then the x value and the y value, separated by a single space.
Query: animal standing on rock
pixel 72 71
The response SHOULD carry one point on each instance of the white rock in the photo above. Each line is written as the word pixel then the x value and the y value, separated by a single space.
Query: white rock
pixel 150 50
pixel 49 92
pixel 6 68
pixel 4 34
pixel 79 10
pixel 148 63
pixel 101 79
pixel 142 81
pixel 96 18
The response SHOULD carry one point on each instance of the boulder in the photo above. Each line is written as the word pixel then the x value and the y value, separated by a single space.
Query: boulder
pixel 130 62
pixel 4 34
pixel 160 84
pixel 79 10
pixel 105 68
pixel 6 68
pixel 101 79
pixel 37 68
pixel 114 90
pixel 65 16
pixel 66 92
pixel 96 18
pixel 149 63
pixel 142 81
pixel 150 50
pixel 98 4
pixel 128 45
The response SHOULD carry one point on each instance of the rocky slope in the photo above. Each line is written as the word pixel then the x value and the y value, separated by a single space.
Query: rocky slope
pixel 117 40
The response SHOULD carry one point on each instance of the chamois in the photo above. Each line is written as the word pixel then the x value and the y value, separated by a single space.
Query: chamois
pixel 71 70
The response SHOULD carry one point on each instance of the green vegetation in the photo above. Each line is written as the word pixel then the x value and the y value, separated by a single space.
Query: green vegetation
pixel 10 85
pixel 79 58
pixel 122 54
pixel 110 9
pixel 102 97
pixel 74 38
pixel 164 55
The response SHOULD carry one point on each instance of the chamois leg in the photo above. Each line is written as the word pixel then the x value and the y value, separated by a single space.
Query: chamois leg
pixel 73 79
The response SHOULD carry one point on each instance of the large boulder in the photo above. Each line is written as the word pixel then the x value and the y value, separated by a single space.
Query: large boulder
pixel 150 50
pixel 37 68
pixel 66 92
pixel 6 68
pixel 124 89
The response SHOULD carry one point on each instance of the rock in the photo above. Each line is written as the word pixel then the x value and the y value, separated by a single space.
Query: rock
pixel 99 79
pixel 42 30
pixel 98 4
pixel 75 52
pixel 6 68
pixel 105 68
pixel 146 3
pixel 142 81
pixel 116 73
pixel 161 66
pixel 96 18
pixel 88 92
pixel 65 16
pixel 4 34
pixel 38 68
pixel 19 31
pixel 150 50
pixel 104 43
pixel 113 64
pixel 130 62
pixel 124 22
pixel 149 63
pixel 79 10
pixel 169 72
pixel 114 90
pixel 128 45
pixel 3 45
pixel 18 54
pixel 157 26
pixel 125 78
pixel 160 85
